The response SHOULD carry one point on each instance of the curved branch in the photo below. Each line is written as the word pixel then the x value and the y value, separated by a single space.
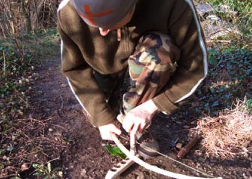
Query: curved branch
pixel 151 167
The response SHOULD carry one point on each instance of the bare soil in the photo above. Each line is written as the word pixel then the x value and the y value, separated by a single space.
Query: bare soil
pixel 78 147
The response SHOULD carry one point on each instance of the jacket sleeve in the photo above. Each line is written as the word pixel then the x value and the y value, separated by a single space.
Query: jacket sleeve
pixel 186 30
pixel 81 79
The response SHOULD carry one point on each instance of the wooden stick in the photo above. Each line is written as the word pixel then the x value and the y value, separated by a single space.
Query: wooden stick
pixel 182 153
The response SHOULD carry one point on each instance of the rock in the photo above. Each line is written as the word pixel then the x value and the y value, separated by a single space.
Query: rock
pixel 64 85
pixel 213 161
pixel 140 175
pixel 204 8
pixel 213 18
pixel 186 127
pixel 24 167
pixel 201 159
pixel 179 145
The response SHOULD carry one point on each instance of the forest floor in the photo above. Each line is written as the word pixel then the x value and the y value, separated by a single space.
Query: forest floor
pixel 74 150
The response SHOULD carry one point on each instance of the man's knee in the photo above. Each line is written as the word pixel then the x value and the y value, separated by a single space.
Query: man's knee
pixel 154 59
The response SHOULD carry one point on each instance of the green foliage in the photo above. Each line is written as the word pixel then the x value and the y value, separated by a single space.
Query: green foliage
pixel 249 103
pixel 230 74
pixel 230 64
pixel 244 7
pixel 212 57
pixel 46 171
pixel 14 63
pixel 13 60
pixel 115 151
pixel 43 44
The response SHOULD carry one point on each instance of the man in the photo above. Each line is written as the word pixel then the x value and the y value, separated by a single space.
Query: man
pixel 160 43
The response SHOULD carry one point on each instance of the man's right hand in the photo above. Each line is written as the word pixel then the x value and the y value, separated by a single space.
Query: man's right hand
pixel 109 129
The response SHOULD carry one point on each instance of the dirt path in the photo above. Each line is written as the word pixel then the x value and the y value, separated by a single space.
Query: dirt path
pixel 78 147
pixel 82 154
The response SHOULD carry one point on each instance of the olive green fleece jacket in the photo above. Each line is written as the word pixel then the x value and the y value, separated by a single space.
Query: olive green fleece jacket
pixel 83 50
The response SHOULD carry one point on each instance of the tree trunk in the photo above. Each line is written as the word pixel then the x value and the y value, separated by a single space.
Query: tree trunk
pixel 38 6
pixel 27 13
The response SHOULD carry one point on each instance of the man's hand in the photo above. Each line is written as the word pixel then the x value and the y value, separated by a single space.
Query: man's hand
pixel 109 129
pixel 139 117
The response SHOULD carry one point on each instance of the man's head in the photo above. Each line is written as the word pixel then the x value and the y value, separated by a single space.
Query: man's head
pixel 104 13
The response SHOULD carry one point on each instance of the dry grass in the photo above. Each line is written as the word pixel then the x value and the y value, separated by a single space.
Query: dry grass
pixel 228 135
pixel 30 141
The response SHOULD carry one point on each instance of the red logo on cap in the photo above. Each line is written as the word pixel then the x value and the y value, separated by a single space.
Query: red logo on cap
pixel 90 16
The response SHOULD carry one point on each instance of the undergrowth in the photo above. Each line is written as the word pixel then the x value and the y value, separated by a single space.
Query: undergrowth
pixel 21 135
pixel 19 58
pixel 235 11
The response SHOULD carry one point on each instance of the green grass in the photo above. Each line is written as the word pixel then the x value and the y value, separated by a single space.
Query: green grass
pixel 43 44
pixel 19 57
